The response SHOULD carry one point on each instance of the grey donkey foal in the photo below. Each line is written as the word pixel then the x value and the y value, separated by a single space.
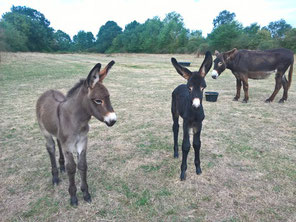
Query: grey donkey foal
pixel 67 117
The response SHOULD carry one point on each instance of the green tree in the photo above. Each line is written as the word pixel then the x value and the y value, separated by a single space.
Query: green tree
pixel 224 17
pixel 62 41
pixel 225 37
pixel 32 24
pixel 173 36
pixel 11 39
pixel 289 41
pixel 83 41
pixel 279 28
pixel 106 35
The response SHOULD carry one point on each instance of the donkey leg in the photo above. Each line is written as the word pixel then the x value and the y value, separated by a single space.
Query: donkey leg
pixel 278 85
pixel 82 167
pixel 50 146
pixel 175 116
pixel 71 170
pixel 176 132
pixel 185 150
pixel 246 89
pixel 196 146
pixel 61 159
pixel 286 87
pixel 238 89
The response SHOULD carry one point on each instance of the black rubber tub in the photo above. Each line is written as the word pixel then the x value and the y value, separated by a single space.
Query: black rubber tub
pixel 211 96
pixel 184 63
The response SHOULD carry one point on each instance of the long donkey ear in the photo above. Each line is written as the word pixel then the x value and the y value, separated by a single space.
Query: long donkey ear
pixel 93 76
pixel 105 71
pixel 186 73
pixel 206 64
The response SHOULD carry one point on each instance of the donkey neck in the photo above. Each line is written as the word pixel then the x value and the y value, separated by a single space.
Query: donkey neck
pixel 75 107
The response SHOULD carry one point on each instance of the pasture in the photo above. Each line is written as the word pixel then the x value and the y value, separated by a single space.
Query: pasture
pixel 248 151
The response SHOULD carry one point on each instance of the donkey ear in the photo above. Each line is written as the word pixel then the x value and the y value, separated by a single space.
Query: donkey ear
pixel 104 72
pixel 186 73
pixel 216 53
pixel 93 76
pixel 230 54
pixel 206 64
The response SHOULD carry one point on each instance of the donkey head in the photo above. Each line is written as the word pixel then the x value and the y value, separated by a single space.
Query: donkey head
pixel 98 97
pixel 195 80
pixel 221 60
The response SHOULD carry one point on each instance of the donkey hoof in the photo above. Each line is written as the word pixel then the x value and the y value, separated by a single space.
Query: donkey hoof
pixel 198 171
pixel 183 176
pixel 87 198
pixel 55 181
pixel 281 101
pixel 176 155
pixel 235 99
pixel 268 101
pixel 74 201
pixel 245 101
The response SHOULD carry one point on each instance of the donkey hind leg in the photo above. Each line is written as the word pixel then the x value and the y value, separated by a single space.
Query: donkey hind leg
pixel 286 87
pixel 71 170
pixel 82 167
pixel 196 146
pixel 50 146
pixel 278 85
pixel 61 159
pixel 185 150
pixel 175 116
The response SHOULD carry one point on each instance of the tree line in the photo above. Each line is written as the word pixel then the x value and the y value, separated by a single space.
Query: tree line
pixel 26 29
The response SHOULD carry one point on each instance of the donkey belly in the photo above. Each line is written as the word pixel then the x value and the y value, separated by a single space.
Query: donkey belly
pixel 260 74
pixel 47 111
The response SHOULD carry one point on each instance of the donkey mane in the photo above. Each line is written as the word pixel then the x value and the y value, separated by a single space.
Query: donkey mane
pixel 75 88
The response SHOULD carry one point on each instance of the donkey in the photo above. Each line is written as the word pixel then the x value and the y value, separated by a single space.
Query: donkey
pixel 67 117
pixel 255 64
pixel 187 103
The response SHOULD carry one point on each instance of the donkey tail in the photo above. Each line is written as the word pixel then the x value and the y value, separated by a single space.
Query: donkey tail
pixel 290 73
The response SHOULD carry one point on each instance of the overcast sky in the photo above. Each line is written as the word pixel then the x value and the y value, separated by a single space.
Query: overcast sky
pixel 72 16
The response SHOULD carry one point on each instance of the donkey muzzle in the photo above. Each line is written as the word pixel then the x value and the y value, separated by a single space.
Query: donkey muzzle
pixel 215 74
pixel 110 119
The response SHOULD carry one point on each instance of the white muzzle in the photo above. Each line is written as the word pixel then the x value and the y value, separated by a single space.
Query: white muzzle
pixel 196 102
pixel 215 74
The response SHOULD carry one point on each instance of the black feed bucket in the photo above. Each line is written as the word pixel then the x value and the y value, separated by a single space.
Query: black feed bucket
pixel 211 96
pixel 184 63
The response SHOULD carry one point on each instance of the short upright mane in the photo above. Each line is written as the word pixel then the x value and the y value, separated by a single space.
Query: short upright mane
pixel 73 90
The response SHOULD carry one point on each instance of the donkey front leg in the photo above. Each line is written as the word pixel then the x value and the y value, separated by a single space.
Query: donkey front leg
pixel 50 146
pixel 176 132
pixel 71 170
pixel 238 89
pixel 82 167
pixel 185 150
pixel 196 146
pixel 61 159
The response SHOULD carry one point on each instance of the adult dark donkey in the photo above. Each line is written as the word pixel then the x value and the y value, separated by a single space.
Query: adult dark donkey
pixel 251 64
pixel 66 118
pixel 187 103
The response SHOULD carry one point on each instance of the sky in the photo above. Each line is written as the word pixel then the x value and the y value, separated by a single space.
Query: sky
pixel 72 16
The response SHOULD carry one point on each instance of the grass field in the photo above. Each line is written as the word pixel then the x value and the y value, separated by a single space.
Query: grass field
pixel 248 151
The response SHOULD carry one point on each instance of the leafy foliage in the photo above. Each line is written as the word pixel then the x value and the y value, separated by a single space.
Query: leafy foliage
pixel 25 29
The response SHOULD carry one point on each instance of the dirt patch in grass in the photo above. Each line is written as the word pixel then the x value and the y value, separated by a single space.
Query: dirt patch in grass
pixel 248 150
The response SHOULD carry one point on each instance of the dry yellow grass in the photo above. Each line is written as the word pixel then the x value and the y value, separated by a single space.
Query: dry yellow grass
pixel 248 150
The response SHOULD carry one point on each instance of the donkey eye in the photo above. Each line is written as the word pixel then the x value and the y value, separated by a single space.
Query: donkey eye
pixel 98 101
pixel 190 88
pixel 220 63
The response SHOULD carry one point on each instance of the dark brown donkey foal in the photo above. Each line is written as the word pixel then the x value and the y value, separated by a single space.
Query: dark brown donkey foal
pixel 66 118
pixel 187 103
